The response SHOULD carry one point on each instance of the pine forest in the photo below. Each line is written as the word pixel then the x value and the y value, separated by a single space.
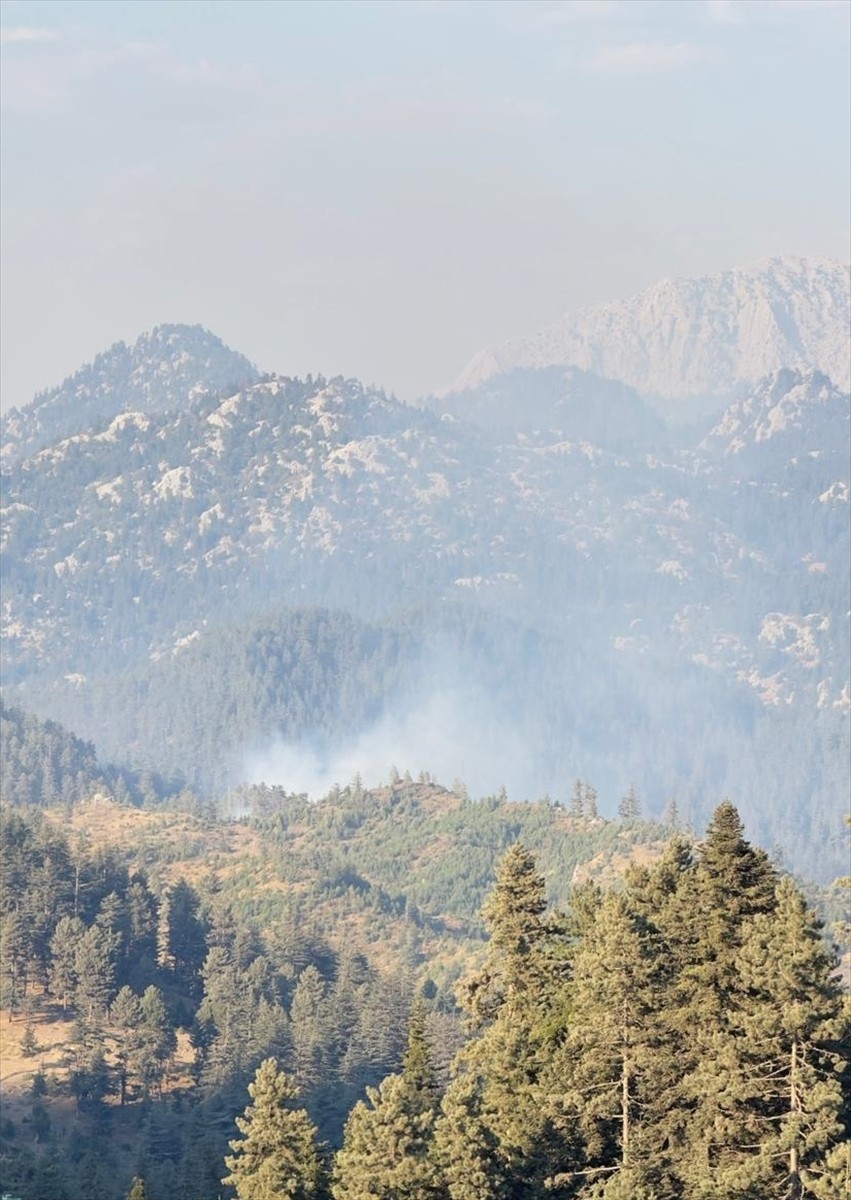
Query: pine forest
pixel 425 600
pixel 314 1000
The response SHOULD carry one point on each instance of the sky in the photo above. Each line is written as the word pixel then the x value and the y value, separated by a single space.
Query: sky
pixel 383 189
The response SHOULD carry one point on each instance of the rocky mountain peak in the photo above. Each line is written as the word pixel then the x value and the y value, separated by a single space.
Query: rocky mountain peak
pixel 700 337
pixel 787 405
pixel 162 370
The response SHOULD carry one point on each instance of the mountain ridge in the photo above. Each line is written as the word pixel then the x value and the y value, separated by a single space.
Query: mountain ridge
pixel 687 602
pixel 698 337
pixel 167 366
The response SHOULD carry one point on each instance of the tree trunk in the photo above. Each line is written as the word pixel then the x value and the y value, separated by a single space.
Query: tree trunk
pixel 624 1096
pixel 794 1107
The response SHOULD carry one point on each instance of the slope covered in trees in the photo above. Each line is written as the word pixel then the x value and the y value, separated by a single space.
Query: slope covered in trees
pixel 556 565
pixel 679 1033
pixel 683 1037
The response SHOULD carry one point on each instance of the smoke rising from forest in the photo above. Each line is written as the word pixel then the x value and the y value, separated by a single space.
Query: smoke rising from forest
pixel 455 734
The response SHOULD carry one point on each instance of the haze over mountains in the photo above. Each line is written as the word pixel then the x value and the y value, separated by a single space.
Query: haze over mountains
pixel 212 574
pixel 162 370
pixel 698 338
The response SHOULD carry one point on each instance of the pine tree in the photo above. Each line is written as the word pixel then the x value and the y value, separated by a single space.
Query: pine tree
pixel 309 1018
pixel 94 967
pixel 29 1044
pixel 63 957
pixel 778 1089
pixel 157 1040
pixel 671 815
pixel 48 1180
pixel 417 1067
pixel 512 998
pixel 277 1156
pixel 629 808
pixel 200 1159
pixel 833 1182
pixel 577 808
pixel 125 1016
pixel 466 1148
pixel 610 1073
pixel 387 1146
pixel 704 920
pixel 14 959
pixel 516 963
pixel 181 947
pixel 590 803
pixel 138 955
pixel 738 878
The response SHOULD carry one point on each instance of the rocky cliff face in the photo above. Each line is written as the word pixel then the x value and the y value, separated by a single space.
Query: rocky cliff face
pixel 699 337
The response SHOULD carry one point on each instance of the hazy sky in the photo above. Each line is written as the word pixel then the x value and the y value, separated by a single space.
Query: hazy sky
pixel 381 189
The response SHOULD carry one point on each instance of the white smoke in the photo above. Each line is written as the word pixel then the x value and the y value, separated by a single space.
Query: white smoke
pixel 450 734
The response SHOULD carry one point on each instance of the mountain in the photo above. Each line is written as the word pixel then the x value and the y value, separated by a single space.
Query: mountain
pixel 163 369
pixel 304 578
pixel 790 413
pixel 288 491
pixel 698 338
pixel 581 405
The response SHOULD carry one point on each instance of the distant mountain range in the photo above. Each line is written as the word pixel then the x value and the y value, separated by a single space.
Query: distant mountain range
pixel 217 575
pixel 698 339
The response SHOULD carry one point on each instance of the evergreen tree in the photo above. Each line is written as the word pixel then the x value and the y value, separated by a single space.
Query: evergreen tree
pixel 48 1181
pixel 738 879
pixel 181 946
pixel 833 1182
pixel 590 803
pixel 14 959
pixel 310 1029
pixel 577 808
pixel 29 1042
pixel 610 1077
pixel 671 815
pixel 63 957
pixel 512 997
pixel 200 1159
pixel 629 808
pixel 773 1085
pixel 157 1040
pixel 417 1066
pixel 386 1148
pixel 94 967
pixel 137 1189
pixel 706 920
pixel 517 960
pixel 387 1145
pixel 466 1148
pixel 141 908
pixel 277 1156
pixel 125 1016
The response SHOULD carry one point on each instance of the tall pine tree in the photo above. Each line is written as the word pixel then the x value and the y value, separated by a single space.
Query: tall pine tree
pixel 387 1147
pixel 277 1156
pixel 786 1057
pixel 511 999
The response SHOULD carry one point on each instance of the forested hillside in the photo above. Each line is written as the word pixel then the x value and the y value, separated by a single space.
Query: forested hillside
pixel 294 579
pixel 417 790
pixel 594 1034
pixel 278 606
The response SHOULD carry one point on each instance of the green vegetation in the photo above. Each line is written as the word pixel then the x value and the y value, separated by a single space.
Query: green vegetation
pixel 277 1155
pixel 430 997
